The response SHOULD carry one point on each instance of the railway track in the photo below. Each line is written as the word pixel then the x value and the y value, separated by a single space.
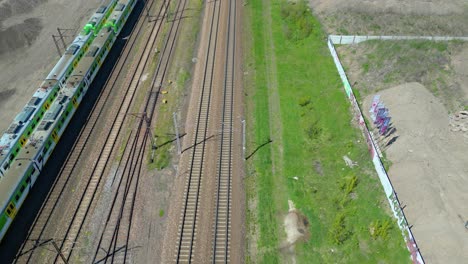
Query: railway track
pixel 222 224
pixel 39 228
pixel 133 83
pixel 113 244
pixel 187 230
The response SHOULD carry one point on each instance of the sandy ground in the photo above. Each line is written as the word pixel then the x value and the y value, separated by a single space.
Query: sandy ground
pixel 429 172
pixel 27 50
pixel 415 17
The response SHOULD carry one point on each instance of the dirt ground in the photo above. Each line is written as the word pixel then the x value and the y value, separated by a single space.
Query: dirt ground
pixel 429 171
pixel 393 17
pixel 27 50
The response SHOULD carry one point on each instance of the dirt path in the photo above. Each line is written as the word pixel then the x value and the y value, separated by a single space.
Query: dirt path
pixel 429 172
pixel 276 128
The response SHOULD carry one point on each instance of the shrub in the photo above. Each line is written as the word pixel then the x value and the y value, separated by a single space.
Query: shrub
pixel 380 229
pixel 304 101
pixel 298 20
pixel 313 130
pixel 338 231
pixel 349 183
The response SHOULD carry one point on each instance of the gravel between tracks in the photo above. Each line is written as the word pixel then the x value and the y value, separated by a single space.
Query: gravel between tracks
pixel 204 235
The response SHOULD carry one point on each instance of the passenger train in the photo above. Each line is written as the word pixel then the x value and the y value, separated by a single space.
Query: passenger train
pixel 54 105
pixel 26 121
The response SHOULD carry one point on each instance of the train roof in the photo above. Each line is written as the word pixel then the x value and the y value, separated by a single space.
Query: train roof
pixel 13 176
pixel 25 157
pixel 16 128
pixel 21 121
pixel 59 70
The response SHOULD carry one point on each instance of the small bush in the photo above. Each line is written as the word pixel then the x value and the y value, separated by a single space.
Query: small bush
pixel 313 130
pixel 380 229
pixel 349 183
pixel 298 20
pixel 338 232
pixel 304 101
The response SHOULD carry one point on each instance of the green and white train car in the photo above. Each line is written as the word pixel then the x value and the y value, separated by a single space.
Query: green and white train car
pixel 17 134
pixel 24 169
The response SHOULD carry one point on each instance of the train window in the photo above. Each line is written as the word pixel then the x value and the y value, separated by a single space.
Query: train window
pixel 32 172
pixel 8 212
pixel 28 179
pixel 11 206
pixel 101 9
pixel 12 157
pixel 17 197
pixel 22 188
pixel 40 158
pixel 6 166
pixel 120 7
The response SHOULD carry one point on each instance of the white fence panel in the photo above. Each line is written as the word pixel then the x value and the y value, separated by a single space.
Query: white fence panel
pixel 354 39
pixel 381 172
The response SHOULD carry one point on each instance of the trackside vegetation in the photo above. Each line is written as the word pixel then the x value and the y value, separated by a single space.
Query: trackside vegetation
pixel 295 102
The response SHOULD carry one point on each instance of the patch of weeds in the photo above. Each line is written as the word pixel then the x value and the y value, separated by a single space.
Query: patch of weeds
pixel 313 130
pixel 349 183
pixel 338 231
pixel 163 159
pixel 298 20
pixel 380 229
pixel 161 213
pixel 365 67
pixel 304 101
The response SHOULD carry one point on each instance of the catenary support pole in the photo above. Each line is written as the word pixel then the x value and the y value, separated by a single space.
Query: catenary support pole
pixel 243 138
pixel 177 133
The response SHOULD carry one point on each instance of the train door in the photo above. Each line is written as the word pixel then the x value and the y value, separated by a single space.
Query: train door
pixel 11 210
pixel 55 136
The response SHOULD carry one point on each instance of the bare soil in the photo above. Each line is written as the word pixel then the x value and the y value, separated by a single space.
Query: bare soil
pixel 393 17
pixel 429 171
pixel 27 50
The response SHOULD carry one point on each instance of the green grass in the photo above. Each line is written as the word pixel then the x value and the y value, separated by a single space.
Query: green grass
pixel 341 204
pixel 385 64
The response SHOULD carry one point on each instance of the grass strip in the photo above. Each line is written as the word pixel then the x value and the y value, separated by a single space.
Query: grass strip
pixel 349 219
